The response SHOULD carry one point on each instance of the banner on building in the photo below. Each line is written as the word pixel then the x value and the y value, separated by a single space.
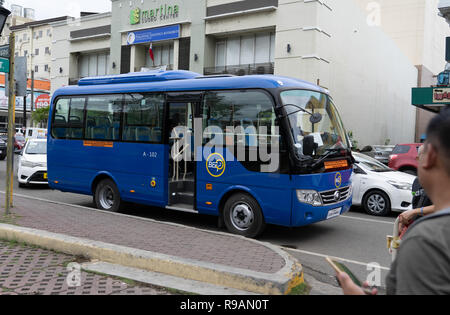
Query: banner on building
pixel 154 35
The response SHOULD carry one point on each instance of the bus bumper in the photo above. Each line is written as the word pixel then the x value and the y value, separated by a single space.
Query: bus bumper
pixel 304 214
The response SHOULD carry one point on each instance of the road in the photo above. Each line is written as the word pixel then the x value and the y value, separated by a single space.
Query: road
pixel 355 238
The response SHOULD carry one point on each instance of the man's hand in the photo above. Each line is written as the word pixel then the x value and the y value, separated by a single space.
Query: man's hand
pixel 350 288
pixel 406 218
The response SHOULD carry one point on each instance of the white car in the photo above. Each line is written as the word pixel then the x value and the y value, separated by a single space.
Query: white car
pixel 33 163
pixel 378 188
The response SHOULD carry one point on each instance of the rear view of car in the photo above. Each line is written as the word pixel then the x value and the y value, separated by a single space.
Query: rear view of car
pixel 33 164
pixel 19 142
pixel 404 158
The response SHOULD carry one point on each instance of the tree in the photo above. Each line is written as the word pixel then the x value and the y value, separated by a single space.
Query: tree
pixel 40 116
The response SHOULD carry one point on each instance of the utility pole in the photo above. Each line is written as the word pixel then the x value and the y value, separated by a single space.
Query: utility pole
pixel 11 126
pixel 32 93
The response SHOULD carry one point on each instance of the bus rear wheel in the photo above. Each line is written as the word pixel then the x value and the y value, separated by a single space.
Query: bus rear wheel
pixel 243 216
pixel 107 196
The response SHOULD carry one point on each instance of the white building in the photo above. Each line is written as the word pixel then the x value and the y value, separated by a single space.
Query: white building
pixel 369 54
pixel 81 48
pixel 418 30
pixel 327 42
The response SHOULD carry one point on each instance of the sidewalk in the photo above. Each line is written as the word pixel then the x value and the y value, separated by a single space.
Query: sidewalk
pixel 172 249
pixel 25 270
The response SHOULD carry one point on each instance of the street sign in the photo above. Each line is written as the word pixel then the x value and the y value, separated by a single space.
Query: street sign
pixel 20 74
pixel 4 51
pixel 4 65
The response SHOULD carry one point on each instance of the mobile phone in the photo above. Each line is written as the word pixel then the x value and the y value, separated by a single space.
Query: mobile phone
pixel 339 267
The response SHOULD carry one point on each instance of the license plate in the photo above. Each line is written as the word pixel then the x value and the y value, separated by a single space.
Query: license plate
pixel 334 213
pixel 45 175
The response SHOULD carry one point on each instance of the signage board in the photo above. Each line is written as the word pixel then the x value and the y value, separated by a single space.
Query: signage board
pixel 4 51
pixel 42 101
pixel 441 95
pixel 4 65
pixel 154 35
pixel 161 13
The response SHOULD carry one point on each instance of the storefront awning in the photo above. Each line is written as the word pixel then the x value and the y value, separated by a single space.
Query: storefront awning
pixel 432 99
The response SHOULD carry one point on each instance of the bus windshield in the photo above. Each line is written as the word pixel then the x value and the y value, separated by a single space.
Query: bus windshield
pixel 329 133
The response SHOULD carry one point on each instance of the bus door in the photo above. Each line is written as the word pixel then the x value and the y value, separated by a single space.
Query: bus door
pixel 182 109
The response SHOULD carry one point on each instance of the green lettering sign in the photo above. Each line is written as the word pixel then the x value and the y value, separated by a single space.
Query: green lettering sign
pixel 164 12
pixel 135 16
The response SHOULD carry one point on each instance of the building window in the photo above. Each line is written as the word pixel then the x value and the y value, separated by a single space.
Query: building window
pixel 36 52
pixel 49 33
pixel 47 68
pixel 93 65
pixel 25 37
pixel 36 69
pixel 246 50
pixel 47 50
pixel 164 56
pixel 25 53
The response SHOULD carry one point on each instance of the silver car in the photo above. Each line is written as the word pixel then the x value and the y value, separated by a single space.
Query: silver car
pixel 379 152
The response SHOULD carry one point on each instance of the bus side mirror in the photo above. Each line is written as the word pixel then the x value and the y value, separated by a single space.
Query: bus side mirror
pixel 309 146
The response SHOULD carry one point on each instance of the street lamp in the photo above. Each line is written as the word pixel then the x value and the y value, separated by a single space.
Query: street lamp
pixel 4 13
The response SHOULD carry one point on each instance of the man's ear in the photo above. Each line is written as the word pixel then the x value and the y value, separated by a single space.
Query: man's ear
pixel 430 156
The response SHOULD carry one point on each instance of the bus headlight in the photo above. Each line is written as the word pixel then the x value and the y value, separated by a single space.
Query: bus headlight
pixel 310 197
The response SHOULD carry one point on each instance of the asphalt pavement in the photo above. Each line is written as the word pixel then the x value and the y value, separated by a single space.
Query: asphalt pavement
pixel 356 238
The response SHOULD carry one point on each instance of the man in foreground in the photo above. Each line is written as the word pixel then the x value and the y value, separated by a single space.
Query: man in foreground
pixel 423 262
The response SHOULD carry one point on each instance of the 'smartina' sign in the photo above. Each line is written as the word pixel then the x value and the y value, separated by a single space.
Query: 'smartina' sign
pixel 164 12
pixel 154 35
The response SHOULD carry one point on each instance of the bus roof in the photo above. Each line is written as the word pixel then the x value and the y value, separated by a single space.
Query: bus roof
pixel 173 81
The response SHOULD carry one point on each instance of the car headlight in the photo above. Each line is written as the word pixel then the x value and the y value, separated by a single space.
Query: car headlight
pixel 310 197
pixel 402 186
pixel 25 163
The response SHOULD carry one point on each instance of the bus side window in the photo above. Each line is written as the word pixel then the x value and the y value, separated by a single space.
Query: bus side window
pixel 61 115
pixel 76 117
pixel 143 117
pixel 102 114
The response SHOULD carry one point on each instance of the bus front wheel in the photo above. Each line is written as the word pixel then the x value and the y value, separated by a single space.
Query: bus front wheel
pixel 243 216
pixel 107 196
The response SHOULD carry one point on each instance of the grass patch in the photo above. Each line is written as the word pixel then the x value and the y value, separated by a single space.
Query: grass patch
pixel 302 289
pixel 11 219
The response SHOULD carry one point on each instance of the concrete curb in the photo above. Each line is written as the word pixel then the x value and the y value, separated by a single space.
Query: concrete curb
pixel 282 282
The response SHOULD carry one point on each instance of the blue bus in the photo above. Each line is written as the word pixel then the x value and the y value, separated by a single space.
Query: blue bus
pixel 185 142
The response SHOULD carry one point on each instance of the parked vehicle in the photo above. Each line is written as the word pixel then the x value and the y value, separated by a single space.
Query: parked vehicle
pixel 404 158
pixel 36 133
pixel 33 164
pixel 379 152
pixel 19 142
pixel 378 188
pixel 2 149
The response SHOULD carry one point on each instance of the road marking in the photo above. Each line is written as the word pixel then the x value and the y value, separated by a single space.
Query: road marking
pixel 332 257
pixel 365 220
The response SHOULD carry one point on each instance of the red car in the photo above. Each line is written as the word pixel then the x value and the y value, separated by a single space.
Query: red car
pixel 404 158
pixel 19 142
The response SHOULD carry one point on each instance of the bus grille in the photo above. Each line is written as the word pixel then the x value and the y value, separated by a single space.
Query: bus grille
pixel 332 196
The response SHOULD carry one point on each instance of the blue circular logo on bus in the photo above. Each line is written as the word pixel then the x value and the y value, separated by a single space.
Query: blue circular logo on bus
pixel 215 165
pixel 338 180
